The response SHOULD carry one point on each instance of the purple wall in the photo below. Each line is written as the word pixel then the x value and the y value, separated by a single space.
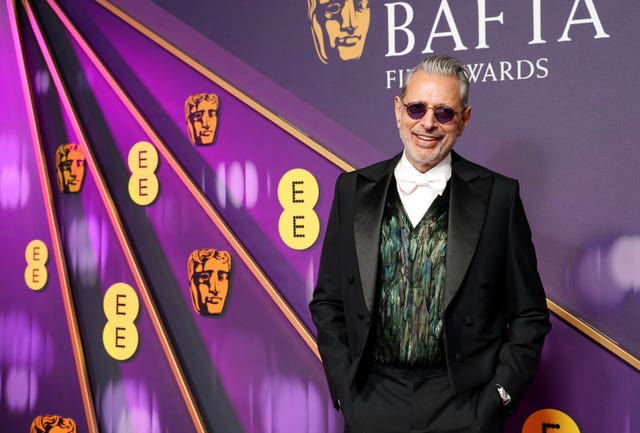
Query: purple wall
pixel 555 114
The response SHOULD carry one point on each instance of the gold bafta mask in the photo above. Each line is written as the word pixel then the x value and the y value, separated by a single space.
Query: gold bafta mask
pixel 70 167
pixel 52 424
pixel 339 28
pixel 209 280
pixel 201 114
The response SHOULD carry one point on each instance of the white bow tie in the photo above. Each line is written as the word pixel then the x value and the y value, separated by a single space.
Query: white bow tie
pixel 436 181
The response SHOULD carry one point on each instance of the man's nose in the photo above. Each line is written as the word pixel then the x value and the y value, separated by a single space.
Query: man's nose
pixel 428 121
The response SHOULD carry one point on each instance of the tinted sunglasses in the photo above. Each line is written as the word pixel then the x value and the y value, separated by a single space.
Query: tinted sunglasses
pixel 442 113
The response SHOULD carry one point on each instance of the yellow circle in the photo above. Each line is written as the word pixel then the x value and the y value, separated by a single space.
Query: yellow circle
pixel 120 340
pixel 121 303
pixel 143 188
pixel 143 158
pixel 36 252
pixel 299 228
pixel 298 188
pixel 550 421
pixel 36 277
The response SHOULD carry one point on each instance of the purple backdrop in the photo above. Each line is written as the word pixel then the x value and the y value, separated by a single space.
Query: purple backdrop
pixel 549 107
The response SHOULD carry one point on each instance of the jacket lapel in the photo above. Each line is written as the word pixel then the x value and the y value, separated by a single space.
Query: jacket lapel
pixel 371 192
pixel 469 197
pixel 470 192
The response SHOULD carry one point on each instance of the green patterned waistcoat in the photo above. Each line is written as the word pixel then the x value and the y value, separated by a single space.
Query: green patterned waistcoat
pixel 409 308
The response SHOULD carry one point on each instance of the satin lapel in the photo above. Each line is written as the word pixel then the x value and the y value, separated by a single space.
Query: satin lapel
pixel 371 193
pixel 467 209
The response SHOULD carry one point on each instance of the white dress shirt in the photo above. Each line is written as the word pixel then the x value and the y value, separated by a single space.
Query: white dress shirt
pixel 418 190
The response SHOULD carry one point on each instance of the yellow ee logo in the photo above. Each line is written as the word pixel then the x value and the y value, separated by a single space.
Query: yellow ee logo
pixel 550 421
pixel 143 183
pixel 298 193
pixel 37 255
pixel 120 335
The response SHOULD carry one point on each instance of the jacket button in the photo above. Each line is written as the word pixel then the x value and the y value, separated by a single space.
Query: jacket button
pixel 351 279
pixel 459 357
pixel 360 316
pixel 468 320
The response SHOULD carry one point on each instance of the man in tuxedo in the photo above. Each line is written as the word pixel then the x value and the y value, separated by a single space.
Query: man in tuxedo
pixel 428 304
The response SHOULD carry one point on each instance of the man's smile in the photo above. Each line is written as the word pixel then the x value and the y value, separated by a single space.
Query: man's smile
pixel 428 139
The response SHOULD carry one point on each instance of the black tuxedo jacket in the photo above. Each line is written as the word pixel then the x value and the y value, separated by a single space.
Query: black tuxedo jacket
pixel 495 315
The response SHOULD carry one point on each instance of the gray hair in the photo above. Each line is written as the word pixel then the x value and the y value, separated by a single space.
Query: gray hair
pixel 440 64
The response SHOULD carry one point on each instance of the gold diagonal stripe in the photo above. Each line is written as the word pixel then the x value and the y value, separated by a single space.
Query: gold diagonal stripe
pixel 594 334
pixel 52 220
pixel 227 86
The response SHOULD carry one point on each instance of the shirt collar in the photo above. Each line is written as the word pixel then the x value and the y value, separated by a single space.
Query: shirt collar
pixel 406 170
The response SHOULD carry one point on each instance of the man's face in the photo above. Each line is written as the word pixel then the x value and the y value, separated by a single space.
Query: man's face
pixel 71 170
pixel 344 24
pixel 204 120
pixel 210 284
pixel 426 141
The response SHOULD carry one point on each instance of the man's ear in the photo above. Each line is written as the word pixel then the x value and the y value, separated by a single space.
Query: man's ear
pixel 398 109
pixel 466 115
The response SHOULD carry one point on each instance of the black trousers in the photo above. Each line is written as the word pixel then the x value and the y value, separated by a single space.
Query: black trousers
pixel 419 401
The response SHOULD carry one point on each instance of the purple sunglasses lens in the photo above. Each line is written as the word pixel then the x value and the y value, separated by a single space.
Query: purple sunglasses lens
pixel 442 113
pixel 416 111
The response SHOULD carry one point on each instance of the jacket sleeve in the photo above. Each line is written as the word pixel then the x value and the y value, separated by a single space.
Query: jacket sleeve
pixel 327 306
pixel 525 310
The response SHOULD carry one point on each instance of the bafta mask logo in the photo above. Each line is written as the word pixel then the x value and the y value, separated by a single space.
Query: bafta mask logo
pixel 209 280
pixel 52 424
pixel 201 113
pixel 339 28
pixel 70 167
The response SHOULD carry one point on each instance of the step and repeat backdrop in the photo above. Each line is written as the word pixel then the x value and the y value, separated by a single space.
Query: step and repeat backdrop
pixel 168 169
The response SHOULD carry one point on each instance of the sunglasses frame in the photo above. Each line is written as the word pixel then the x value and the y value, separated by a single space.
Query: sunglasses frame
pixel 435 112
